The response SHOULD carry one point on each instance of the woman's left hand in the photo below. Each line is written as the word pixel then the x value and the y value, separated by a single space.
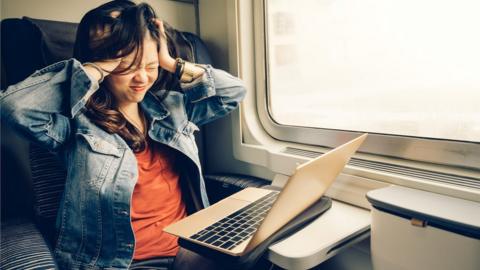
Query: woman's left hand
pixel 165 60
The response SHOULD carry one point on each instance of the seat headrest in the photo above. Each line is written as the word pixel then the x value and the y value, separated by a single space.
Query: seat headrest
pixel 57 39
pixel 29 44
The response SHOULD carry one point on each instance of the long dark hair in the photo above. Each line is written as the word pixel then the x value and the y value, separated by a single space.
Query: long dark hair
pixel 125 25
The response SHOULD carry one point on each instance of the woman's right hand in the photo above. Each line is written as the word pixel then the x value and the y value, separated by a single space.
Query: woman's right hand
pixel 109 65
pixel 106 67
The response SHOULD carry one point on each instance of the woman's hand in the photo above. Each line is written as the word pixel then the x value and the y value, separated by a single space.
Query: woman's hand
pixel 109 65
pixel 100 69
pixel 165 60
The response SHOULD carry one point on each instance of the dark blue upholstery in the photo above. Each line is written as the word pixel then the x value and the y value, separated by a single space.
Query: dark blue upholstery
pixel 48 182
pixel 199 49
pixel 23 247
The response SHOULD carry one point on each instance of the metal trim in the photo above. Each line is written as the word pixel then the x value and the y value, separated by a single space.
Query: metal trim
pixel 438 151
pixel 457 180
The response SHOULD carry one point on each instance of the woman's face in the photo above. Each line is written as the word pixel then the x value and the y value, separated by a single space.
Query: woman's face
pixel 131 87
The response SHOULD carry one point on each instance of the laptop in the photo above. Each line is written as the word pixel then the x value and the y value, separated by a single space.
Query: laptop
pixel 240 222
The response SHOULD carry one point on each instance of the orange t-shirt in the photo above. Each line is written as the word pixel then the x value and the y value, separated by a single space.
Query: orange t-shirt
pixel 156 202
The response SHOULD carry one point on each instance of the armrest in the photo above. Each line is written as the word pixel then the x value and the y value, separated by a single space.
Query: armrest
pixel 334 231
pixel 220 186
pixel 23 247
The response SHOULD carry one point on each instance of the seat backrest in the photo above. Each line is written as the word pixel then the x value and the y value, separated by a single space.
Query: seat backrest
pixel 30 44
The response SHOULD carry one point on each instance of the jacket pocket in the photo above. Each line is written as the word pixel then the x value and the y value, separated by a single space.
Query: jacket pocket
pixel 189 128
pixel 101 146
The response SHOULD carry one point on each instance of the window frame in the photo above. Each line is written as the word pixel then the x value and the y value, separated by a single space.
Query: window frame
pixel 437 151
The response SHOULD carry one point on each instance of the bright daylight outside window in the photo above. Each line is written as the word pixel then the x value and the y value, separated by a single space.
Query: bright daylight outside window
pixel 393 67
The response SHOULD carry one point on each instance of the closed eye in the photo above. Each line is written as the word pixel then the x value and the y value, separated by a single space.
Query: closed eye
pixel 152 67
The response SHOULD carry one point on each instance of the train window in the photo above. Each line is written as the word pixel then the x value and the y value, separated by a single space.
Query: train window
pixel 405 71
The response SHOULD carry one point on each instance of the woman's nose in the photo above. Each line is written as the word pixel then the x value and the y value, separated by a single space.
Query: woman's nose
pixel 141 75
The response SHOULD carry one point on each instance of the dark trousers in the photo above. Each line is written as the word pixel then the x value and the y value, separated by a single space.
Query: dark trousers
pixel 184 260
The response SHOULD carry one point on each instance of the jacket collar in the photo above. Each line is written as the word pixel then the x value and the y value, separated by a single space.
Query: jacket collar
pixel 153 107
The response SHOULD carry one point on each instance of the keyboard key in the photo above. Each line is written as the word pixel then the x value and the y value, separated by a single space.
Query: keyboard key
pixel 212 239
pixel 195 236
pixel 238 225
pixel 225 238
pixel 217 243
pixel 250 230
pixel 209 228
pixel 236 238
pixel 229 229
pixel 205 236
pixel 227 245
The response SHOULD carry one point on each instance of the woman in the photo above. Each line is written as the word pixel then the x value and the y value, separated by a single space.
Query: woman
pixel 128 143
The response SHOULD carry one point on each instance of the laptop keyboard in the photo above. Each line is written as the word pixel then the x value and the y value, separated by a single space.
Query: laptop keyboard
pixel 237 227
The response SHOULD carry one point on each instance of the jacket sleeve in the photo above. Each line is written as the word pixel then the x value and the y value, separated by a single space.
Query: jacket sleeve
pixel 41 106
pixel 213 95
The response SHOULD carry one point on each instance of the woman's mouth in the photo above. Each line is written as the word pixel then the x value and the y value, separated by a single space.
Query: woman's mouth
pixel 138 88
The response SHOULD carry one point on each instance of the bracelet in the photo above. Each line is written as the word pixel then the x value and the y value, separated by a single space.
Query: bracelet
pixel 95 66
pixel 187 73
pixel 179 66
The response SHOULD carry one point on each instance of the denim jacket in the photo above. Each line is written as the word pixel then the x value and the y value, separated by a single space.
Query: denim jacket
pixel 93 223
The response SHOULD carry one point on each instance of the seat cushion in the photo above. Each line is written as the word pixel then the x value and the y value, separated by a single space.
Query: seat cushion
pixel 23 247
pixel 220 186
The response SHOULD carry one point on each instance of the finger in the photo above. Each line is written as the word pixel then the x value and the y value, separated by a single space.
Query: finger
pixel 161 29
pixel 160 25
pixel 158 22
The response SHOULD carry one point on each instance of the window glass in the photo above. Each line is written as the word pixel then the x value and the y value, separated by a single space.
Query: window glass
pixel 407 67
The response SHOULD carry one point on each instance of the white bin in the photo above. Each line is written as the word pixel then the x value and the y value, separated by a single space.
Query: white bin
pixel 413 229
